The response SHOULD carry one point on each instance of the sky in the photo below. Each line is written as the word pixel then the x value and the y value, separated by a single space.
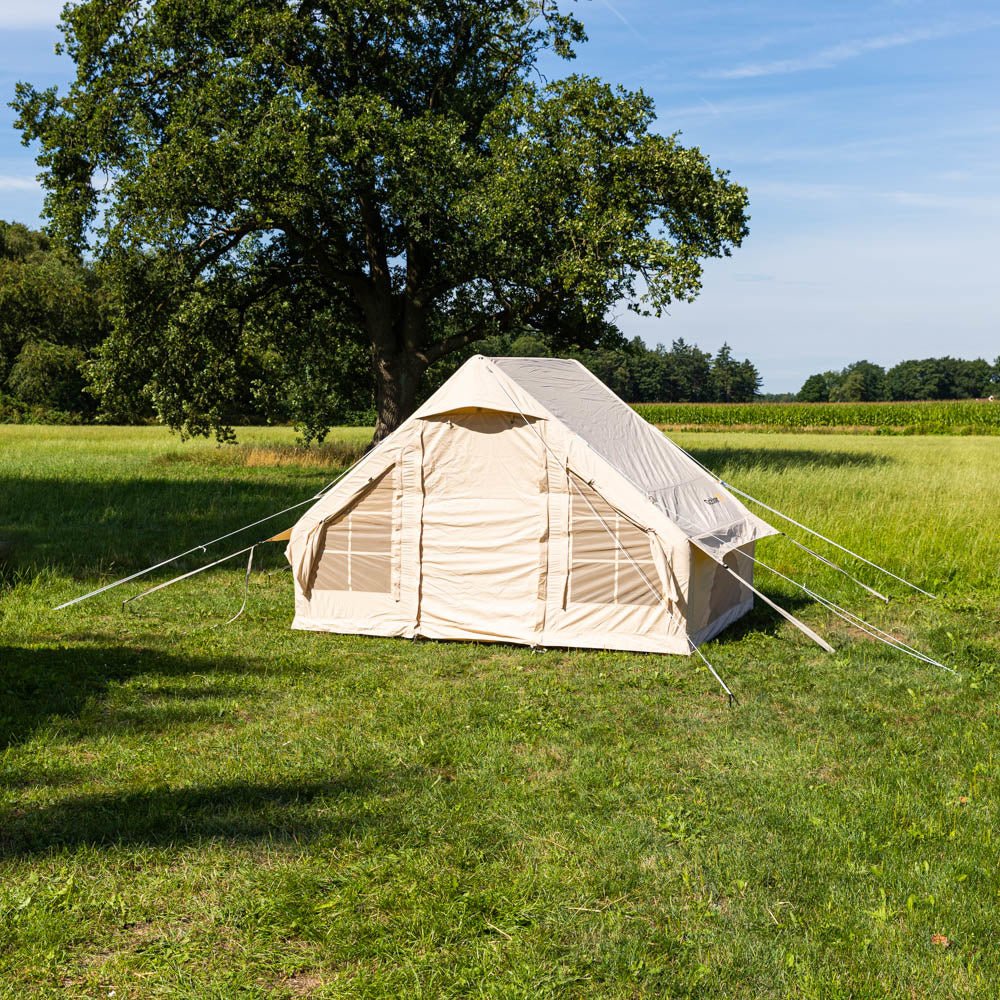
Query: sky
pixel 868 135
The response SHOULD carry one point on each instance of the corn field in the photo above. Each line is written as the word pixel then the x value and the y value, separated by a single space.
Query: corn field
pixel 937 417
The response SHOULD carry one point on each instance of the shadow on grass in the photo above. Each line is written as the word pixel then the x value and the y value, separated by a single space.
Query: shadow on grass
pixel 763 620
pixel 291 811
pixel 89 527
pixel 40 685
pixel 780 459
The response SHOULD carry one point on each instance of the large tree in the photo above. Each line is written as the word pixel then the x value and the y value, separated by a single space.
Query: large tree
pixel 263 181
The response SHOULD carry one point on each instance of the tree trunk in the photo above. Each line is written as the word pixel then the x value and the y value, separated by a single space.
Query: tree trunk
pixel 397 379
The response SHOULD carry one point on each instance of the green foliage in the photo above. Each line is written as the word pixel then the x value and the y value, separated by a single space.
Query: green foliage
pixel 814 390
pixel 51 317
pixel 942 378
pixel 859 382
pixel 981 417
pixel 49 375
pixel 250 811
pixel 932 378
pixel 15 411
pixel 263 181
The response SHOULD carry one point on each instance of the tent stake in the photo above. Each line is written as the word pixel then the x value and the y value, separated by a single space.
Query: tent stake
pixel 714 672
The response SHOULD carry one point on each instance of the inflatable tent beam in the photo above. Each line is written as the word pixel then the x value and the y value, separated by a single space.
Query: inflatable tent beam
pixel 788 616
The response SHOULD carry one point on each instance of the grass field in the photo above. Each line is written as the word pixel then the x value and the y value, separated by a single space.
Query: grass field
pixel 193 811
pixel 945 417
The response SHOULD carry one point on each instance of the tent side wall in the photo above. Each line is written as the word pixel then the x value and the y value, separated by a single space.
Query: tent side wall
pixel 715 599
pixel 355 554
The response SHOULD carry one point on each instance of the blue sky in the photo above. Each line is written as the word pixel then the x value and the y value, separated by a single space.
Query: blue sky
pixel 867 133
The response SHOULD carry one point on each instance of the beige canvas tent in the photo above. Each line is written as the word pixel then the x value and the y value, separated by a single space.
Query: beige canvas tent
pixel 524 502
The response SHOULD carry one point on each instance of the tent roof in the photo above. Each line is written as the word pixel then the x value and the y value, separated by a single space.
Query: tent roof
pixel 696 502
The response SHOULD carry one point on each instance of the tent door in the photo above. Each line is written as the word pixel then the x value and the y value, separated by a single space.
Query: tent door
pixel 484 527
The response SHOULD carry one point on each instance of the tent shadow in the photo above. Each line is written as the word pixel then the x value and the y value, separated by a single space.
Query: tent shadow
pixel 40 685
pixel 763 620
pixel 780 459
pixel 236 812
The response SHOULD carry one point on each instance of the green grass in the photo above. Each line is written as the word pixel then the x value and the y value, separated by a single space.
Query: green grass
pixel 190 811
pixel 946 417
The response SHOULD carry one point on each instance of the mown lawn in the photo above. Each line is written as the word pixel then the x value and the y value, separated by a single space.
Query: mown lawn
pixel 198 811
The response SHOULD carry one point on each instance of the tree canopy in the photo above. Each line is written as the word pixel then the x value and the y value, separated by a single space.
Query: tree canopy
pixel 51 316
pixel 930 378
pixel 267 185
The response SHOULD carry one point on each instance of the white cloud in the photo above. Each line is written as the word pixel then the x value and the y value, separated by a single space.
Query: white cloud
pixel 977 203
pixel 8 182
pixel 30 13
pixel 844 51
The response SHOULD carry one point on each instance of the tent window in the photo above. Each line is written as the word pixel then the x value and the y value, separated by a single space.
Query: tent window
pixel 357 550
pixel 610 560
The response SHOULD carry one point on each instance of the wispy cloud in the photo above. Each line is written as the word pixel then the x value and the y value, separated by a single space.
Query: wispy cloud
pixel 9 182
pixel 978 204
pixel 835 54
pixel 30 13
pixel 739 106
pixel 621 17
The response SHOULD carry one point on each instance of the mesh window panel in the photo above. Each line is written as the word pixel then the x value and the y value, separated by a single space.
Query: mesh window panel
pixel 357 546
pixel 610 559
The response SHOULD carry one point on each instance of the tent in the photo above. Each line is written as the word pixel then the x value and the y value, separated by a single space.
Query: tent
pixel 524 502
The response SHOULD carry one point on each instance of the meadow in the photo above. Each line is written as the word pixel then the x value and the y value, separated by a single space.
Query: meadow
pixel 192 809
pixel 967 416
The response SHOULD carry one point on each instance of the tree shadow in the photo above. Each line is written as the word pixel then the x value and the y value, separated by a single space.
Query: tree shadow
pixel 781 459
pixel 289 811
pixel 39 685
pixel 87 527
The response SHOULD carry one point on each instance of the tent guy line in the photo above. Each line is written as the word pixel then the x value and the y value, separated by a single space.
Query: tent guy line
pixel 204 546
pixel 166 562
pixel 833 565
pixel 190 573
pixel 811 531
pixel 852 619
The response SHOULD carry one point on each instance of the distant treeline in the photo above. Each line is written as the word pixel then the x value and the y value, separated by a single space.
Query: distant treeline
pixel 931 378
pixel 641 374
